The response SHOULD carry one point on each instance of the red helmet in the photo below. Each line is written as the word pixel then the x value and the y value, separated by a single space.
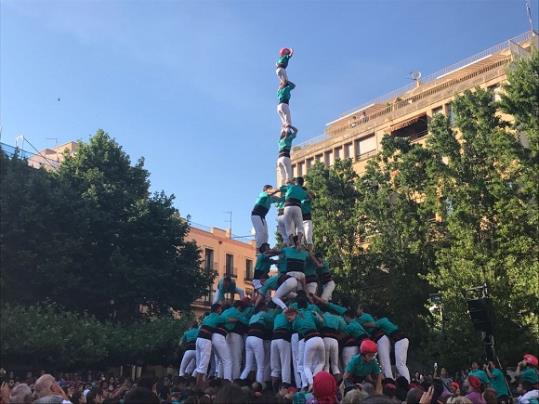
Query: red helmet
pixel 531 359
pixel 368 346
pixel 284 51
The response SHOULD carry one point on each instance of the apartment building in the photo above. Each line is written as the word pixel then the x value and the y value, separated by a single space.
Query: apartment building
pixel 223 254
pixel 407 111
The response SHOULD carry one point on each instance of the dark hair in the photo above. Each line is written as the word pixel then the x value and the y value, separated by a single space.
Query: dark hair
pixel 141 395
pixel 214 307
pixel 301 299
pixel 263 247
pixel 92 395
pixel 350 313
pixel 266 187
pixel 300 181
pixel 146 382
pixel 231 393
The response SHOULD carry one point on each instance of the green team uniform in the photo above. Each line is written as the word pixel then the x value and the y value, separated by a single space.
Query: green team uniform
pixel 262 266
pixel 359 368
pixel 310 271
pixel 481 375
pixel 283 94
pixel 529 374
pixel 283 61
pixel 386 326
pixel 285 143
pixel 310 306
pixel 497 382
pixel 294 260
pixel 306 208
pixel 333 322
pixel 189 338
pixel 295 192
pixel 305 322
pixel 262 205
pixel 272 283
pixel 231 312
pixel 230 289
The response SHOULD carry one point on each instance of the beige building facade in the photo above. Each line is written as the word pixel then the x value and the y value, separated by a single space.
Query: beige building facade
pixel 226 256
pixel 51 158
pixel 407 112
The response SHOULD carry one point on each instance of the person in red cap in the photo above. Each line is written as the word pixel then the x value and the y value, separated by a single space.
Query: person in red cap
pixel 528 379
pixel 475 395
pixel 454 389
pixel 284 57
pixel 324 388
pixel 364 366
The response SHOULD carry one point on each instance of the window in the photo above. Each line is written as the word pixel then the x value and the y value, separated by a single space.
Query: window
pixel 318 158
pixel 328 158
pixel 300 169
pixel 348 150
pixel 438 110
pixel 249 269
pixel 208 260
pixel 229 268
pixel 294 170
pixel 365 145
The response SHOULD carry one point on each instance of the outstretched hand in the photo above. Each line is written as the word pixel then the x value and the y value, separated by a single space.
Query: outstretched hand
pixel 426 398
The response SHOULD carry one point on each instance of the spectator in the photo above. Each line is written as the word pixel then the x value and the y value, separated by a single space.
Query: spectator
pixel 48 391
pixel 475 395
pixel 230 394
pixel 141 395
pixel 21 393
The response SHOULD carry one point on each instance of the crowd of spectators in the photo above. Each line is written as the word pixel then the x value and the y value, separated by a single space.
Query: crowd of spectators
pixel 476 385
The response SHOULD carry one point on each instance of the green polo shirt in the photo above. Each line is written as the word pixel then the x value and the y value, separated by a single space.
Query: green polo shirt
pixel 497 382
pixel 310 267
pixel 481 375
pixel 213 320
pixel 231 312
pixel 295 192
pixel 283 94
pixel 324 269
pixel 263 264
pixel 269 284
pixel 285 143
pixel 365 318
pixel 355 330
pixel 283 61
pixel 306 206
pixel 280 321
pixel 334 322
pixel 190 335
pixel 305 321
pixel 264 200
pixel 294 259
pixel 529 374
pixel 358 367
pixel 386 326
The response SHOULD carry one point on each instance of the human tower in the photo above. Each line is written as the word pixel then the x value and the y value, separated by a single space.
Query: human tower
pixel 291 330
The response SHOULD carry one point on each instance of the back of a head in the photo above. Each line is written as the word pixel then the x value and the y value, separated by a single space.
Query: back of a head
pixel 459 400
pixel 414 395
pixel 355 396
pixel 377 399
pixel 49 399
pixel 231 393
pixel 141 395
pixel 21 393
pixel 43 385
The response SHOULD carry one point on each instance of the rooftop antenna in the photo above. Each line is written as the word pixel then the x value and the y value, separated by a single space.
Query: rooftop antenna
pixel 529 12
pixel 229 221
pixel 415 75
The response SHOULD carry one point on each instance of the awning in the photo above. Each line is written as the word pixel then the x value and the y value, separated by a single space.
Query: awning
pixel 408 122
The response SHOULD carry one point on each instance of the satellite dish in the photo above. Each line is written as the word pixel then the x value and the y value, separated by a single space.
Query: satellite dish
pixel 415 75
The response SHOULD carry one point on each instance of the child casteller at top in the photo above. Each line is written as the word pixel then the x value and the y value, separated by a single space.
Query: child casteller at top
pixel 284 56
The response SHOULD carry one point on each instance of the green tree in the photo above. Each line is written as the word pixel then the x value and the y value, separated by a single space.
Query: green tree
pixel 91 237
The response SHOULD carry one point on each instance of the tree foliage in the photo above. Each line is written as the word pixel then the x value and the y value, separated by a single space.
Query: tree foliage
pixel 91 237
pixel 445 217
pixel 49 338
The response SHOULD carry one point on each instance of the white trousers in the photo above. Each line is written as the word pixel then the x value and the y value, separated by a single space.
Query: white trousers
pixel 284 113
pixel 327 290
pixel 267 360
pixel 203 355
pixel 308 231
pixel 281 228
pixel 223 354
pixel 293 220
pixel 384 350
pixel 347 353
pixel 281 74
pixel 301 358
pixel 188 362
pixel 311 287
pixel 331 362
pixel 284 170
pixel 261 230
pixel 235 347
pixel 290 285
pixel 294 347
pixel 401 354
pixel 280 360
pixel 313 358
pixel 254 356
pixel 219 296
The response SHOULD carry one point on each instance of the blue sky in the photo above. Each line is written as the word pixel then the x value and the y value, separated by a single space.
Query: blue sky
pixel 190 85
